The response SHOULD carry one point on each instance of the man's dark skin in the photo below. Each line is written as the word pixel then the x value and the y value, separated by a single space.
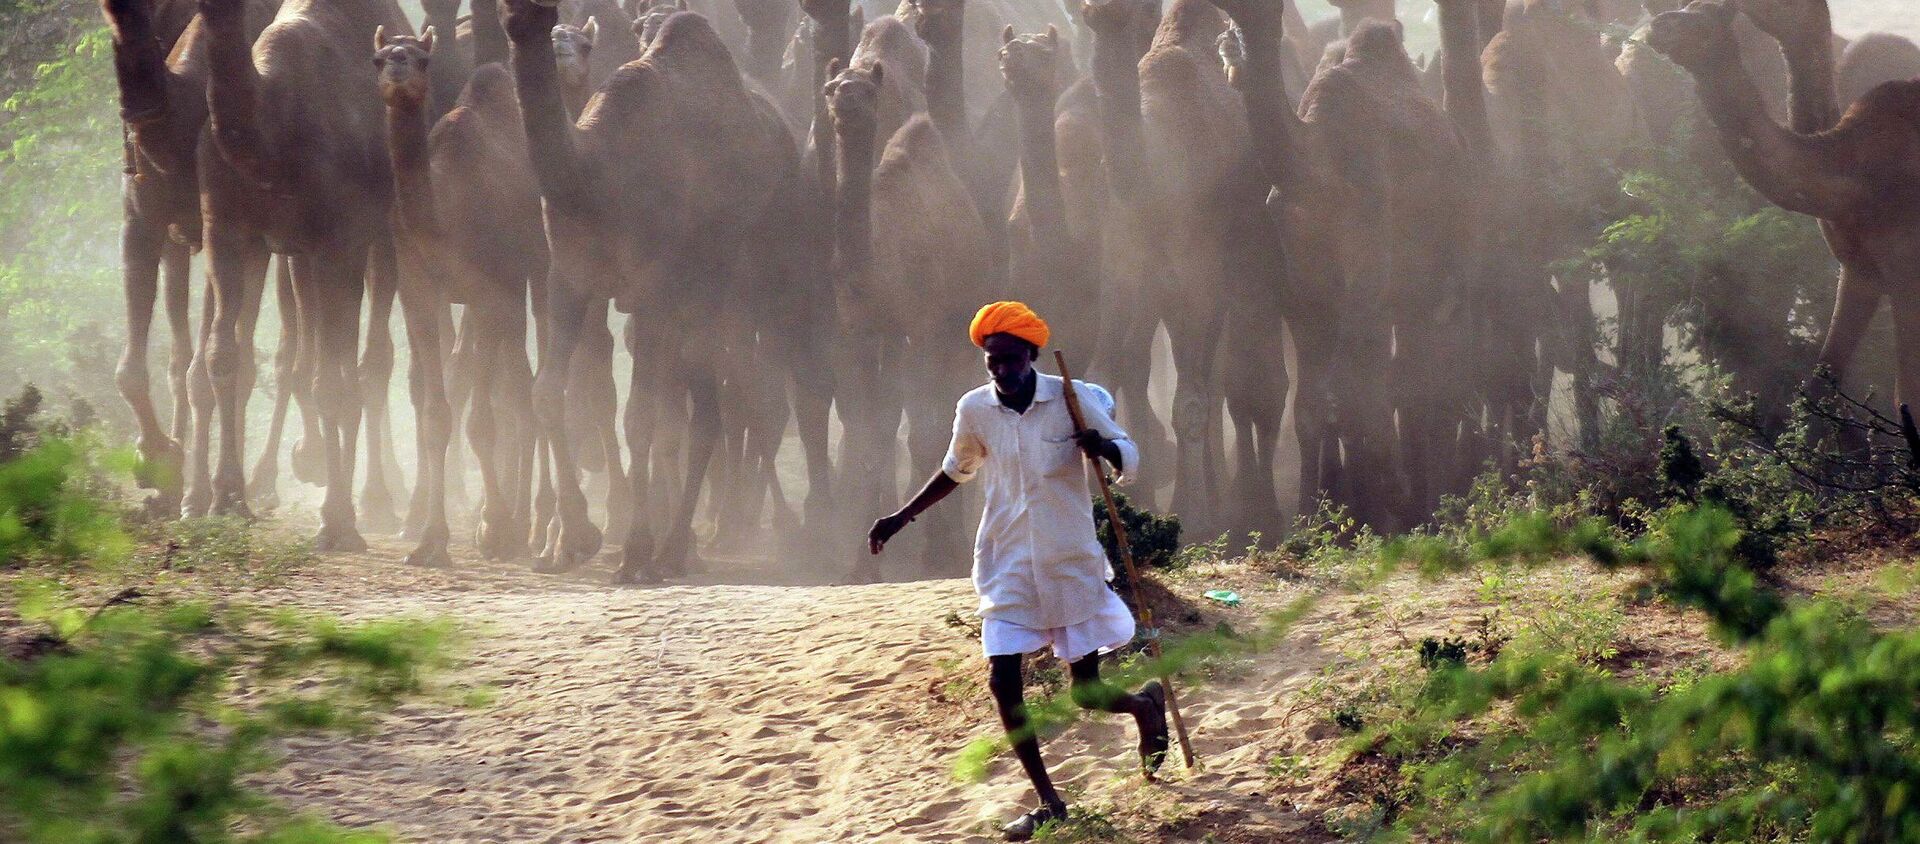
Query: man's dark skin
pixel 1010 362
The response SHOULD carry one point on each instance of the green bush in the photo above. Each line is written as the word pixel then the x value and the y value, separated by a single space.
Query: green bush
pixel 1153 538
pixel 120 731
pixel 1816 737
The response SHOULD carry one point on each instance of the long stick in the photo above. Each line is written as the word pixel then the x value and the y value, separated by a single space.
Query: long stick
pixel 1126 559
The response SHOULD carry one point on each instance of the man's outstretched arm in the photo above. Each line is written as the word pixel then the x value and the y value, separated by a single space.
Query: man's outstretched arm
pixel 937 487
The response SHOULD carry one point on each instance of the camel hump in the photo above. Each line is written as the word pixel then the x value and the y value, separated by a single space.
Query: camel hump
pixel 917 140
pixel 490 85
pixel 1377 39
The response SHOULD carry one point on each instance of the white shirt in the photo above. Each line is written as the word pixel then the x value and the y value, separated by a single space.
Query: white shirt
pixel 1036 560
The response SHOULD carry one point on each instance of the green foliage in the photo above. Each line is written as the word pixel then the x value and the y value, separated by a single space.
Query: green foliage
pixel 1153 538
pixel 60 162
pixel 1814 737
pixel 124 731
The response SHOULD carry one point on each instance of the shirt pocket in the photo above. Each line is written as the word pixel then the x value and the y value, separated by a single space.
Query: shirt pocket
pixel 1061 456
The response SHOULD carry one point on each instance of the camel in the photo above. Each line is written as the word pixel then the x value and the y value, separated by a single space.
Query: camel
pixel 643 209
pixel 160 66
pixel 1560 106
pixel 1200 168
pixel 769 26
pixel 1051 264
pixel 311 181
pixel 1130 254
pixel 467 231
pixel 1847 176
pixel 1872 59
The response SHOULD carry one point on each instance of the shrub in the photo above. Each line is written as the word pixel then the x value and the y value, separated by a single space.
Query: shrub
pixel 1153 538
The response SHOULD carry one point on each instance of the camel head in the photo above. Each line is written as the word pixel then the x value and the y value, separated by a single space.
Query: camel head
pixel 1232 46
pixel 572 48
pixel 1263 16
pixel 853 98
pixel 650 15
pixel 1379 39
pixel 1699 37
pixel 1031 63
pixel 1790 21
pixel 937 21
pixel 402 60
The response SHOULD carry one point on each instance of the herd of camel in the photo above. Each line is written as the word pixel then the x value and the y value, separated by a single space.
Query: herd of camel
pixel 798 204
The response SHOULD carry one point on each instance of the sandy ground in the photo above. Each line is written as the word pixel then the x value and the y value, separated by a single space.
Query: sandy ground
pixel 740 713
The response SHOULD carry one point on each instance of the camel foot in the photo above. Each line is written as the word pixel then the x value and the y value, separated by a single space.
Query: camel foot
pixel 430 555
pixel 160 467
pixel 378 516
pixel 335 538
pixel 264 492
pixel 500 539
pixel 161 507
pixel 197 503
pixel 232 503
pixel 574 548
pixel 309 462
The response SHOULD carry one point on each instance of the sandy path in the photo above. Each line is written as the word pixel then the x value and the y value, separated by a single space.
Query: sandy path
pixel 727 713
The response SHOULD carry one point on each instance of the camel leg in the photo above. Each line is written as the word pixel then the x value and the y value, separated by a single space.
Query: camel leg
pixel 141 248
pixel 421 309
pixel 703 435
pixel 1194 339
pixel 642 425
pixel 309 457
pixel 513 393
pixel 1906 333
pixel 177 281
pixel 809 385
pixel 459 378
pixel 330 285
pixel 198 497
pixel 482 426
pixel 238 265
pixel 376 372
pixel 263 489
pixel 576 540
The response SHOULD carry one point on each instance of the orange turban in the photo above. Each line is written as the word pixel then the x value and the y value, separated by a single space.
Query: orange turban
pixel 1013 318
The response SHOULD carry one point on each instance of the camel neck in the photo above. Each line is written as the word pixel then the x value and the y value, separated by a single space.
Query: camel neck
pixel 832 42
pixel 853 199
pixel 1811 101
pixel 946 66
pixel 556 163
pixel 1465 93
pixel 1789 169
pixel 412 168
pixel 575 97
pixel 1116 79
pixel 1276 126
pixel 1040 169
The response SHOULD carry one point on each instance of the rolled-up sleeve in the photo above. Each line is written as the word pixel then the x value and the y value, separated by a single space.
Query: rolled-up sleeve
pixel 966 451
pixel 1100 418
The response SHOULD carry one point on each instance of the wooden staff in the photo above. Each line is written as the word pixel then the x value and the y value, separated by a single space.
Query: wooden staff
pixel 1126 558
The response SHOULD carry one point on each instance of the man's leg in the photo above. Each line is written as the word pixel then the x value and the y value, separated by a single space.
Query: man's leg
pixel 1004 680
pixel 1147 706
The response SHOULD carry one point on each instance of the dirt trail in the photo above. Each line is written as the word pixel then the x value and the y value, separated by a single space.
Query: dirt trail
pixel 733 713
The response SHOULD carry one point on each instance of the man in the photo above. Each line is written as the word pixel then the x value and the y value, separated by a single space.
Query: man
pixel 1037 565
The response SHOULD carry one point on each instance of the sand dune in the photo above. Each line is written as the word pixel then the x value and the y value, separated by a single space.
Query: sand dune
pixel 732 713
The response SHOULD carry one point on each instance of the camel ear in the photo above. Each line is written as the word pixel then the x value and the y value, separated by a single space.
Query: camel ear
pixel 379 38
pixel 591 29
pixel 1006 35
pixel 879 72
pixel 833 67
pixel 426 40
pixel 1053 34
pixel 682 5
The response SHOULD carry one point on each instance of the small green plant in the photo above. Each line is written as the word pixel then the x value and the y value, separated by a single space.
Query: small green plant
pixel 1442 653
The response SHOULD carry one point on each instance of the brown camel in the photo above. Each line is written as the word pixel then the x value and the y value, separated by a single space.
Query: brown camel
pixel 1203 182
pixel 642 208
pixel 311 180
pixel 467 230
pixel 160 65
pixel 1561 107
pixel 1849 176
